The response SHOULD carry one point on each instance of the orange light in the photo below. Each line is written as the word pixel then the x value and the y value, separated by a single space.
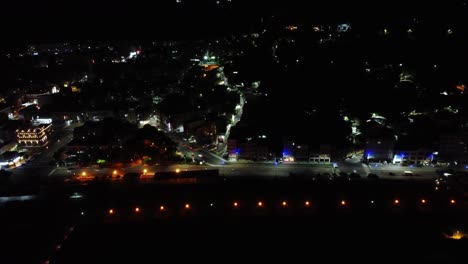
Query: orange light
pixel 161 208
pixel 187 206
pixel 114 172
pixel 137 209
pixel 423 201
pixel 145 171
pixel 236 204
pixel 460 87
pixel 177 170
pixel 284 203
pixel 307 203
pixel 453 201
pixel 83 173
pixel 111 211
pixel 396 201
pixel 343 202
pixel 260 204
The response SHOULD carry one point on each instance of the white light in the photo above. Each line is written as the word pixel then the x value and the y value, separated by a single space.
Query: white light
pixel 76 195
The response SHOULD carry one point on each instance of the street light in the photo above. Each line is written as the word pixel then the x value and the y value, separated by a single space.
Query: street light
pixel 145 171
pixel 114 172
pixel 177 170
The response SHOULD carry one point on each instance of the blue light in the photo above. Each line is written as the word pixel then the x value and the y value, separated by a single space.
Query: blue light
pixel 276 163
pixel 466 167
pixel 411 166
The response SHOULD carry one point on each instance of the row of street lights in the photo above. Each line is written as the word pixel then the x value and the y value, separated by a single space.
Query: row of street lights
pixel 283 204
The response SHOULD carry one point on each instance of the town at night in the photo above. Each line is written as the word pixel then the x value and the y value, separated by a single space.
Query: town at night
pixel 218 130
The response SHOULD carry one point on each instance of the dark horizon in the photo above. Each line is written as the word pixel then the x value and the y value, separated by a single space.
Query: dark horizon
pixel 88 20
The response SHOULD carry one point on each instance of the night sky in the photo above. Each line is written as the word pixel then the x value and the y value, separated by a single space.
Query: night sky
pixel 105 19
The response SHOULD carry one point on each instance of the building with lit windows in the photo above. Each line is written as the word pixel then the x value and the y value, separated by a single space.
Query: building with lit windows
pixel 33 136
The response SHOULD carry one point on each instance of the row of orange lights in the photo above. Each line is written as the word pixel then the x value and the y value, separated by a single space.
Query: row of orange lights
pixel 283 204
pixel 114 172
pixel 423 201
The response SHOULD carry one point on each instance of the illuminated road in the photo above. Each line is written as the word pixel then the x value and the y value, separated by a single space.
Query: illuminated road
pixel 240 170
pixel 41 168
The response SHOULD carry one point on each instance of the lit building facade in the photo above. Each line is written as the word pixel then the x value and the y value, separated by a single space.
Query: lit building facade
pixel 34 136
